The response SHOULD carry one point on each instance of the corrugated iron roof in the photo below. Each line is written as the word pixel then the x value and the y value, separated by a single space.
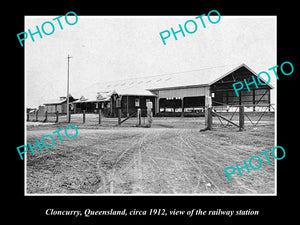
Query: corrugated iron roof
pixel 140 86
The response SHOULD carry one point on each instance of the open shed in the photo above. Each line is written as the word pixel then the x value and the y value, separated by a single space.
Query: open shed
pixel 185 93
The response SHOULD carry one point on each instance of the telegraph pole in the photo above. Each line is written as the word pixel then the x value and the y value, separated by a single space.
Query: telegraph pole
pixel 68 112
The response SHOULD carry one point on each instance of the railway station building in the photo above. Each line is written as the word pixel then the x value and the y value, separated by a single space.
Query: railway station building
pixel 175 94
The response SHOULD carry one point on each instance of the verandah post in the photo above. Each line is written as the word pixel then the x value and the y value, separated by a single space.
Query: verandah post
pixel 139 121
pixel 83 116
pixel 182 108
pixel 56 116
pixel 36 115
pixel 46 114
pixel 99 111
pixel 119 115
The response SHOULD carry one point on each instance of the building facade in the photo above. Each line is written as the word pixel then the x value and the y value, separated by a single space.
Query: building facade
pixel 59 105
pixel 177 94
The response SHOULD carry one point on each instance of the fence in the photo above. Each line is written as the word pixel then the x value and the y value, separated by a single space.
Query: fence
pixel 220 116
pixel 142 118
pixel 239 116
pixel 43 116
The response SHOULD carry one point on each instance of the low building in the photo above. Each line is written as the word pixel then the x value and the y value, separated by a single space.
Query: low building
pixel 130 100
pixel 59 105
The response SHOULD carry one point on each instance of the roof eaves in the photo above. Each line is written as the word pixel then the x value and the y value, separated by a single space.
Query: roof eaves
pixel 179 87
pixel 55 102
pixel 271 86
pixel 230 71
pixel 236 68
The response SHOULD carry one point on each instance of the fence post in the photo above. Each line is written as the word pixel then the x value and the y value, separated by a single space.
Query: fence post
pixel 209 118
pixel 139 121
pixel 56 116
pixel 149 117
pixel 149 106
pixel 99 111
pixel 241 118
pixel 208 112
pixel 83 116
pixel 36 115
pixel 119 115
pixel 46 115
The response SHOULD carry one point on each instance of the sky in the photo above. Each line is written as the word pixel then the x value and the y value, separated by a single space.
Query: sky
pixel 107 48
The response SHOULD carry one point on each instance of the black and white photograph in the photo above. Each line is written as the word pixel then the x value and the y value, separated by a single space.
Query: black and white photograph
pixel 152 118
pixel 175 116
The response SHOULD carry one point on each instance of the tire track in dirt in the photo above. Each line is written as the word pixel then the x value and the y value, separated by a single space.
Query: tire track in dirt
pixel 189 153
pixel 211 157
pixel 211 172
pixel 128 159
pixel 161 169
pixel 106 164
pixel 157 160
pixel 201 163
pixel 250 183
pixel 177 168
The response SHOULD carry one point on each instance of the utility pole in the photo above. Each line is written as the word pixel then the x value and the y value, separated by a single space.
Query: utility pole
pixel 68 112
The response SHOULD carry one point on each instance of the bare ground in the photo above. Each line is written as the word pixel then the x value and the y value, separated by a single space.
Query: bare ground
pixel 172 157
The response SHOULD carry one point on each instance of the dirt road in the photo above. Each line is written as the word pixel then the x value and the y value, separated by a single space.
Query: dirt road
pixel 129 160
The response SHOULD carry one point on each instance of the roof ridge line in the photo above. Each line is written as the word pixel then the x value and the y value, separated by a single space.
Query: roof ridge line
pixel 168 73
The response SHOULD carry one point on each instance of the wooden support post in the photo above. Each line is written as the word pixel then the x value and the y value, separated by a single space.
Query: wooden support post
pixel 139 117
pixel 149 113
pixel 208 113
pixel 209 118
pixel 36 115
pixel 83 116
pixel 206 117
pixel 56 117
pixel 99 111
pixel 127 106
pixel 119 115
pixel 241 118
pixel 46 114
pixel 111 108
pixel 157 107
pixel 69 117
pixel 182 108
pixel 149 117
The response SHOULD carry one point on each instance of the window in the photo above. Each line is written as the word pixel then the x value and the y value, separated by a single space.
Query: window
pixel 137 102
